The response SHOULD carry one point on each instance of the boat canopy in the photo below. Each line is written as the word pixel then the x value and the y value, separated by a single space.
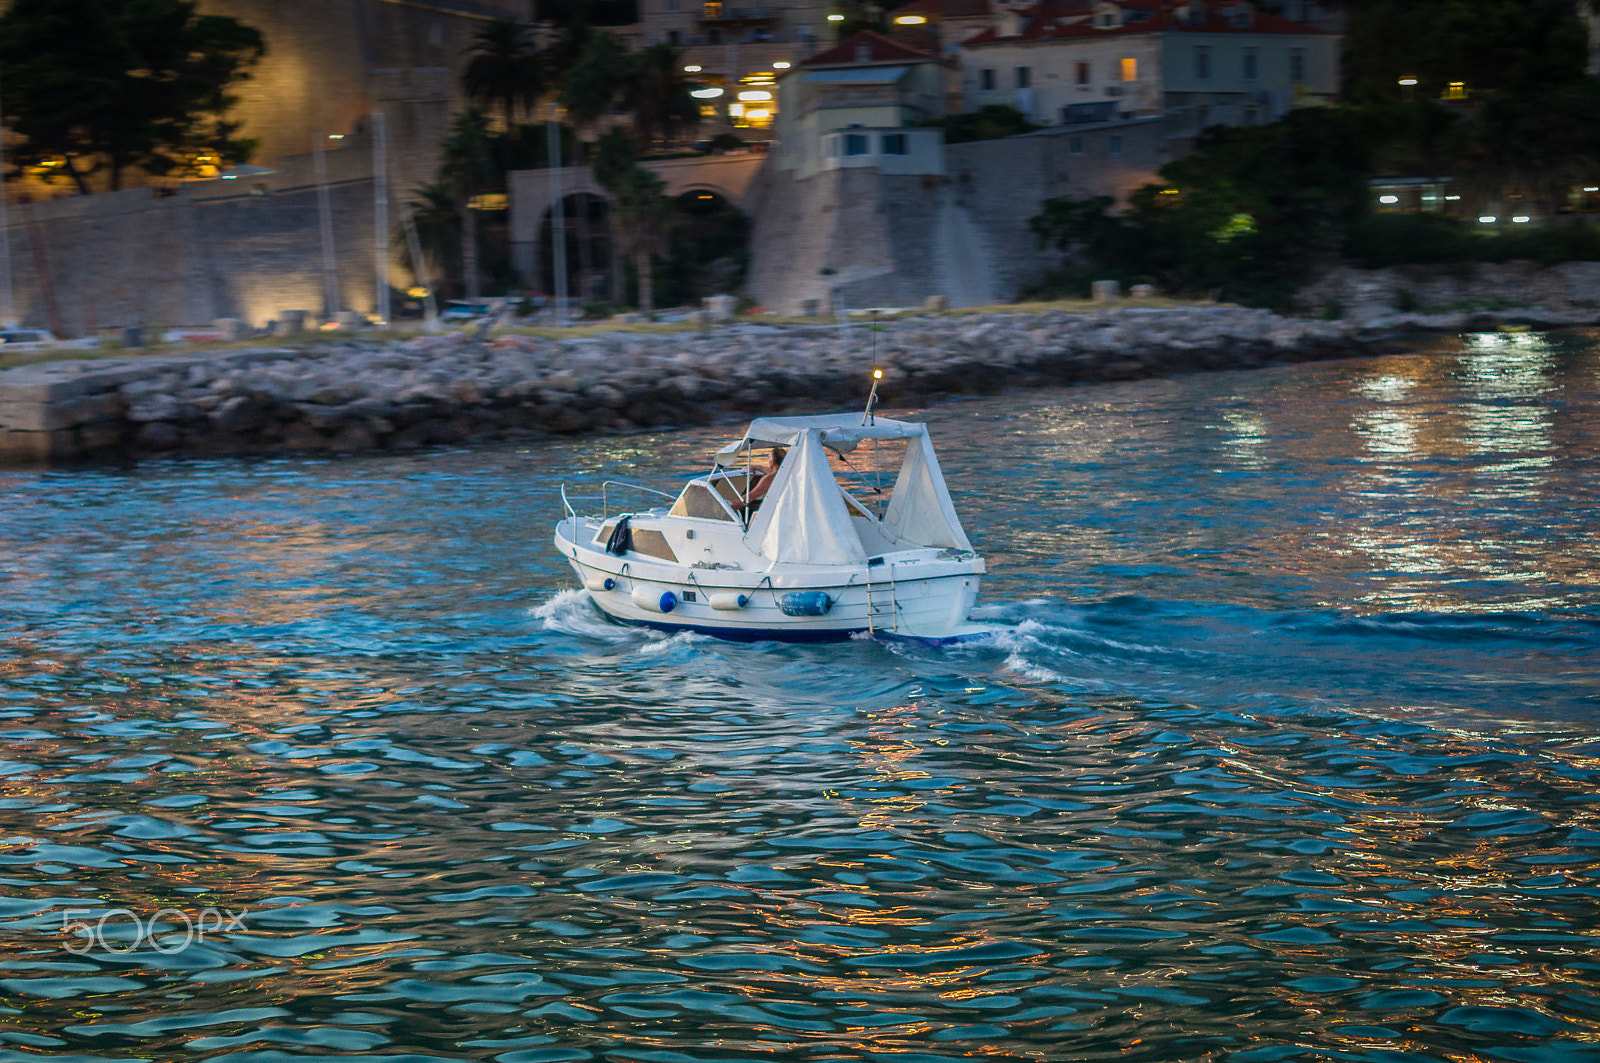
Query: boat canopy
pixel 804 518
pixel 839 432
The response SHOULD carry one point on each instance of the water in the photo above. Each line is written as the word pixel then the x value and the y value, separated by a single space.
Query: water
pixel 1286 751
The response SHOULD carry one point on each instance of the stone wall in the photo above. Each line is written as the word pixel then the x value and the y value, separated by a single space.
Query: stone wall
pixel 1566 293
pixel 894 240
pixel 347 395
pixel 332 61
pixel 138 258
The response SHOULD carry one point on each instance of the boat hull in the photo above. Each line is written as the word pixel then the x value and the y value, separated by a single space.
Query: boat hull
pixel 922 595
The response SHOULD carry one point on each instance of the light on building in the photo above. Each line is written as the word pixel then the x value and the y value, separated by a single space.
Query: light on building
pixel 692 68
pixel 1408 81
pixel 1452 199
pixel 706 94
pixel 1388 199
pixel 780 65
pixel 1456 91
pixel 758 116
pixel 909 20
pixel 735 110
pixel 417 292
pixel 755 96
pixel 1169 191
pixel 335 136
pixel 1592 189
pixel 1487 219
pixel 835 18
pixel 1522 219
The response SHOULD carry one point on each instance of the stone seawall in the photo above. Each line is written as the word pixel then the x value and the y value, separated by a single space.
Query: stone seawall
pixel 352 395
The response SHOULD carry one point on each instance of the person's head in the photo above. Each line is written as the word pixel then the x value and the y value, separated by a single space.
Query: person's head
pixel 777 456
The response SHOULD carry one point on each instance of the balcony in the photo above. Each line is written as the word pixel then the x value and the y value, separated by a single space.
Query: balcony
pixel 713 13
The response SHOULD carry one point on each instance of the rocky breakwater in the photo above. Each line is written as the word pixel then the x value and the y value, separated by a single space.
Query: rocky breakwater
pixel 354 395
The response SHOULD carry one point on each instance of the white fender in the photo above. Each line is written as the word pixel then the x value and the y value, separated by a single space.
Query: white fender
pixel 654 599
pixel 729 601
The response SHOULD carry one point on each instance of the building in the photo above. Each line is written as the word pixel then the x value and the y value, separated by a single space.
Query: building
pixel 1220 60
pixel 738 49
pixel 871 86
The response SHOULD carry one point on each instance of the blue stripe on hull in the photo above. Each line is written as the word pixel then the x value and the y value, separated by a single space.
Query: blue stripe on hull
pixel 740 634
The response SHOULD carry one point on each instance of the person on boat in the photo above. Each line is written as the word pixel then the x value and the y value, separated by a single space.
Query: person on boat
pixel 770 473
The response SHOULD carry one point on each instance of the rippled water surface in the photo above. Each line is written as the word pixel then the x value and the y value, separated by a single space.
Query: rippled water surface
pixel 1286 750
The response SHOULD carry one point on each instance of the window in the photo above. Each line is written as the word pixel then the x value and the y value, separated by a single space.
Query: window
pixel 672 38
pixel 1074 145
pixel 1108 20
pixel 1297 65
pixel 986 80
pixel 1024 76
pixel 697 501
pixel 1202 62
pixel 713 9
pixel 1252 64
pixel 894 144
pixel 672 5
pixel 855 143
pixel 1129 69
pixel 1114 145
pixel 1081 74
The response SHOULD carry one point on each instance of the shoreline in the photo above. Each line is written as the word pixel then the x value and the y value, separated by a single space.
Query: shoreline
pixel 349 396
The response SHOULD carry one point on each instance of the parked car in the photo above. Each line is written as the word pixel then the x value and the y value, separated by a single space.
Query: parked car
pixel 26 339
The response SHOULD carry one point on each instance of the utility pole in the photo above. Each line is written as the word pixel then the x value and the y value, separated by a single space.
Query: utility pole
pixel 330 269
pixel 8 295
pixel 558 219
pixel 380 216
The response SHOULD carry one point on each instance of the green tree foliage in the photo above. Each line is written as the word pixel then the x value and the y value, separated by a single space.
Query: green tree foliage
pixel 656 92
pixel 1245 216
pixel 1250 212
pixel 615 154
pixel 591 85
pixel 992 122
pixel 467 171
pixel 505 69
pixel 648 84
pixel 1518 46
pixel 645 219
pixel 103 85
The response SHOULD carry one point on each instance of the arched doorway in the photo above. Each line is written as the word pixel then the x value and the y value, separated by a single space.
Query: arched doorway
pixel 591 258
pixel 710 249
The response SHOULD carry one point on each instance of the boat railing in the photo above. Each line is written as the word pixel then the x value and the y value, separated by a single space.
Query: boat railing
pixel 605 503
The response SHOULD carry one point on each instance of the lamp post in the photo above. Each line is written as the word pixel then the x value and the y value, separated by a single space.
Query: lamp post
pixel 1408 86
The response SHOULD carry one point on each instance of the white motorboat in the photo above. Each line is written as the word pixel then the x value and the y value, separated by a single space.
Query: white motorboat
pixel 809 561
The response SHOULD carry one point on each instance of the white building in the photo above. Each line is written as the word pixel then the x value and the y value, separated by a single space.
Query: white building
pixel 1220 60
pixel 877 91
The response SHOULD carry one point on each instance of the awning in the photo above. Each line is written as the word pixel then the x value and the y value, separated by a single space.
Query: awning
pixel 839 432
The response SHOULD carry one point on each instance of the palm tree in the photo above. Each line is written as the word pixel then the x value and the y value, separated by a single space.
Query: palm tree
pixel 438 225
pixel 656 93
pixel 468 169
pixel 505 69
pixel 591 84
pixel 645 217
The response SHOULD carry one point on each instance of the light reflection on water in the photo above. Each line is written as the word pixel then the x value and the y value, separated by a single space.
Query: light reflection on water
pixel 1285 751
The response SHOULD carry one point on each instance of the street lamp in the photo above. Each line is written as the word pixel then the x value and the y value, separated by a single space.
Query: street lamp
pixel 1408 85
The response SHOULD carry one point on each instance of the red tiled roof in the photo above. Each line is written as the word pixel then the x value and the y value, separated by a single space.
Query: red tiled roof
pixel 944 8
pixel 880 49
pixel 1042 24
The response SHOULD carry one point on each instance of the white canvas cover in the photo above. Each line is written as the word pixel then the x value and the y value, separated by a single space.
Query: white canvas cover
pixel 803 518
pixel 920 512
pixel 840 432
